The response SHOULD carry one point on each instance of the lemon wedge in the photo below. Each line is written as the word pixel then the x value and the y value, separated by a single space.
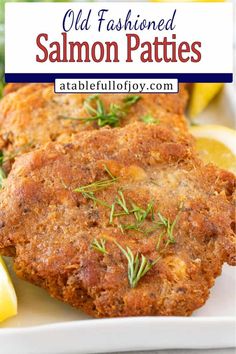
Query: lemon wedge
pixel 8 300
pixel 201 96
pixel 217 144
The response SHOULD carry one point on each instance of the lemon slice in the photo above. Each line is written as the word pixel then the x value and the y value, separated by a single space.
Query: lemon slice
pixel 202 94
pixel 8 300
pixel 216 144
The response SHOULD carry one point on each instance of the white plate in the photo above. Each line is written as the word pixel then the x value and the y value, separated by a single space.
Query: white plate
pixel 46 326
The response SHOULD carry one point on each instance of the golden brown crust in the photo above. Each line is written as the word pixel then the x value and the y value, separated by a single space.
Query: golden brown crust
pixel 33 115
pixel 12 87
pixel 51 226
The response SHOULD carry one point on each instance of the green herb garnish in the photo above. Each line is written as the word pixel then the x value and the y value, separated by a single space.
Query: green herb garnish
pixel 90 195
pixel 169 230
pixel 120 200
pixel 160 237
pixel 98 185
pixel 112 213
pixel 141 214
pixel 2 177
pixel 169 227
pixel 134 227
pixel 130 100
pixel 88 190
pixel 99 245
pixel 99 114
pixel 149 119
pixel 138 265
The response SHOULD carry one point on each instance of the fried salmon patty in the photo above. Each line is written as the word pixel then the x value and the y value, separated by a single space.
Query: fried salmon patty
pixel 34 115
pixel 12 87
pixel 122 222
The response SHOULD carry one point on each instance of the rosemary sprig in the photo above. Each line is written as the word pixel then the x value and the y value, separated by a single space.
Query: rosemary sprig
pixel 112 117
pixel 99 114
pixel 169 227
pixel 135 227
pixel 90 195
pixel 112 213
pixel 168 230
pixel 108 172
pixel 98 185
pixel 131 100
pixel 99 245
pixel 2 177
pixel 160 237
pixel 120 200
pixel 149 119
pixel 141 214
pixel 88 190
pixel 138 265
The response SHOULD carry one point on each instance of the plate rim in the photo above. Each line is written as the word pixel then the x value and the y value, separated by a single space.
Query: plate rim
pixel 96 322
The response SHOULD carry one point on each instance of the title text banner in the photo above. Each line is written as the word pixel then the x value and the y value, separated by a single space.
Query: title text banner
pixel 191 42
